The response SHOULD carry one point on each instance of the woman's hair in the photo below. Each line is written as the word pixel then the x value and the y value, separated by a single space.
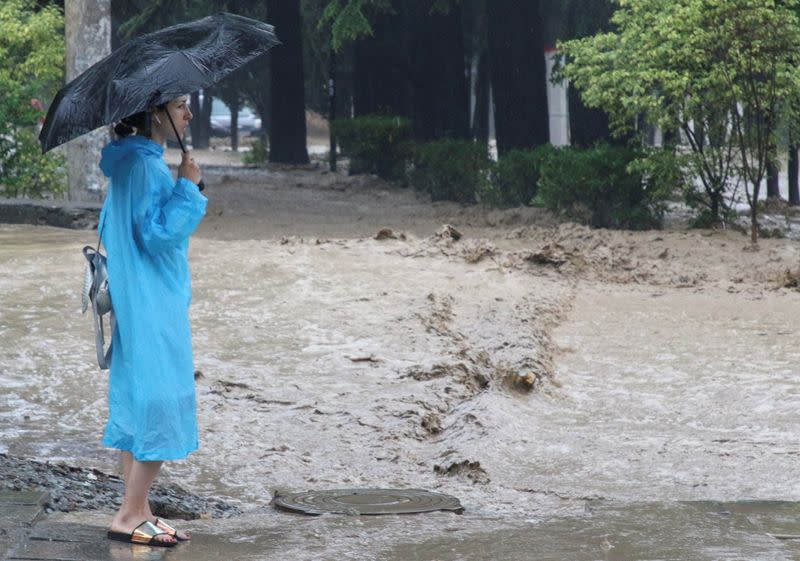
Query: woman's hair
pixel 138 123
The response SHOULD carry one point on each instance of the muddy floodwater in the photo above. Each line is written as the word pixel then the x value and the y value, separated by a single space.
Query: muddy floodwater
pixel 585 394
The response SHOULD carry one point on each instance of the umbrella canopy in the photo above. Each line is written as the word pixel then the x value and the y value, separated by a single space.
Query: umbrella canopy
pixel 153 69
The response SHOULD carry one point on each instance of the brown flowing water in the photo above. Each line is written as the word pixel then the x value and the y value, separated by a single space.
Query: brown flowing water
pixel 661 401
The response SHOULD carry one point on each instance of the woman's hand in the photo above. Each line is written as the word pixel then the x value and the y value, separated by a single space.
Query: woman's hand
pixel 189 168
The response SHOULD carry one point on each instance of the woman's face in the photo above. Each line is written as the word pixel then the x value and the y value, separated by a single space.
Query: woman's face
pixel 181 115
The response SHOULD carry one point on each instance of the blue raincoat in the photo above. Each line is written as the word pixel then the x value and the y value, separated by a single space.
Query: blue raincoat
pixel 148 220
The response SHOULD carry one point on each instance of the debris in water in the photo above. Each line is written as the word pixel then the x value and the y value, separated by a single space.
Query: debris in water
pixel 388 234
pixel 784 536
pixel 432 423
pixel 469 470
pixel 449 232
pixel 522 381
pixel 550 254
pixel 370 358
pixel 791 279
pixel 477 251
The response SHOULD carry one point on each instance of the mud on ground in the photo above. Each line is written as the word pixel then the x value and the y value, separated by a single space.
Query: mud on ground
pixel 349 332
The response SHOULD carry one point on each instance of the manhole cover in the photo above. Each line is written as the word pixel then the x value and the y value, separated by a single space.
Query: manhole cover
pixel 366 501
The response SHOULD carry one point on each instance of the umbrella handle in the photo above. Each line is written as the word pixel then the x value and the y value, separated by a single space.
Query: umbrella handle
pixel 202 184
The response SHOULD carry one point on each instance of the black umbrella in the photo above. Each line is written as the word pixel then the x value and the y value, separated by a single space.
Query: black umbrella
pixel 153 69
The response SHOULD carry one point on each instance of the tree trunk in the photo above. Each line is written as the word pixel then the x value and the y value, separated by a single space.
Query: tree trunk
pixel 441 95
pixel 516 58
pixel 587 126
pixel 452 88
pixel 200 125
pixel 332 109
pixel 363 99
pixel 288 116
pixel 480 119
pixel 792 171
pixel 773 187
pixel 194 124
pixel 235 124
pixel 258 93
pixel 88 39
pixel 381 82
pixel 414 66
pixel 714 202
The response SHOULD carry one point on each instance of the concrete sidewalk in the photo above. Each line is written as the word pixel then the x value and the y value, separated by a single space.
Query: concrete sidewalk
pixel 26 533
pixel 697 530
pixel 19 510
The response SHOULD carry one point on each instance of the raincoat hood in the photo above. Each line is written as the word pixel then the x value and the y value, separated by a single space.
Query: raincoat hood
pixel 118 151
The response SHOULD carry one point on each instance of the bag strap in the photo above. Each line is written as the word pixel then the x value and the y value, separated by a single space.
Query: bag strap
pixel 100 230
pixel 103 356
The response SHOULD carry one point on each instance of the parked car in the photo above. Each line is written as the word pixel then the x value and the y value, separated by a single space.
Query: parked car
pixel 221 119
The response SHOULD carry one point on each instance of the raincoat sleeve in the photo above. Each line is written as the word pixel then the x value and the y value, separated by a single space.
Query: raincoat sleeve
pixel 161 224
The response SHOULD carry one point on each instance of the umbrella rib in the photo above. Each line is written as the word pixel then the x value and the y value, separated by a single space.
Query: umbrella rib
pixel 192 61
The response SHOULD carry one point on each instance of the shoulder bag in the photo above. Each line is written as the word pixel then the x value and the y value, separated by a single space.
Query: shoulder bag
pixel 96 294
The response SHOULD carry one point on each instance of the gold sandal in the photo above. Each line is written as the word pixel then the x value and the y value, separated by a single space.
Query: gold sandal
pixel 145 533
pixel 161 525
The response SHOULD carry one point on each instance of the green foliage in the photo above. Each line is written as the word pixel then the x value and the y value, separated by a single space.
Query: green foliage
pixel 761 69
pixel 720 71
pixel 349 19
pixel 25 171
pixel 32 51
pixel 706 220
pixel 514 178
pixel 379 144
pixel 258 155
pixel 667 174
pixel 451 170
pixel 598 187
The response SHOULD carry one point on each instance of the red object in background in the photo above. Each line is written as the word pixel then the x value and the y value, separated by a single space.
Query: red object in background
pixel 39 106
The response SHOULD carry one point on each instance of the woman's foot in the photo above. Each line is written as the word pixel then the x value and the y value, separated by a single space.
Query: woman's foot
pixel 162 525
pixel 125 525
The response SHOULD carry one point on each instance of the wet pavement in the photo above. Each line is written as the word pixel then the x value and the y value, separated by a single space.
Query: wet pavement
pixel 609 531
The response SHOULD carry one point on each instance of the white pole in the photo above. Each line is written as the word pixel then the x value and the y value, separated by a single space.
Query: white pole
pixel 557 106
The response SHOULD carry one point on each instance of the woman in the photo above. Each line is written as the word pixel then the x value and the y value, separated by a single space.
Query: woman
pixel 146 223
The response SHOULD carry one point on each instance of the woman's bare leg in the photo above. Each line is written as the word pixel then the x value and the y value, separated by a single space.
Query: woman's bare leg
pixel 127 462
pixel 135 507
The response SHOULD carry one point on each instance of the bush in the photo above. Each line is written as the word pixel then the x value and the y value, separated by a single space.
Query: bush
pixel 379 144
pixel 258 154
pixel 32 51
pixel 26 172
pixel 599 186
pixel 515 178
pixel 451 170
